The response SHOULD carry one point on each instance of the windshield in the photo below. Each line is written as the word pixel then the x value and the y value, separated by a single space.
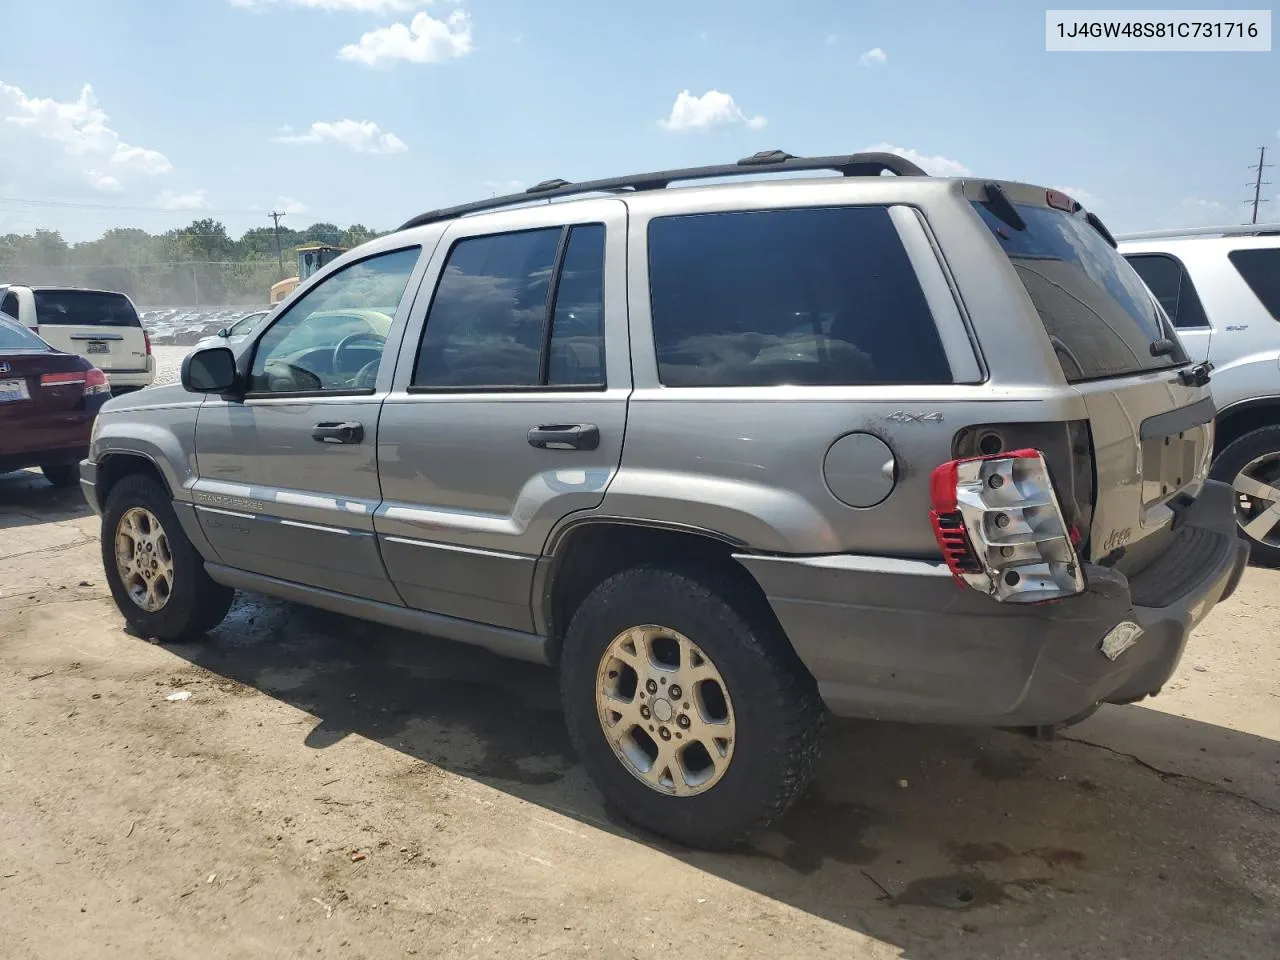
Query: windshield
pixel 14 336
pixel 1100 316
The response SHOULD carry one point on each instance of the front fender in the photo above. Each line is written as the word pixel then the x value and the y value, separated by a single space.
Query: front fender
pixel 166 438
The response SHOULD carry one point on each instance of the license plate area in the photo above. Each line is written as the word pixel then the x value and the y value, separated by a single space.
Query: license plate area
pixel 12 391
pixel 1171 463
pixel 98 346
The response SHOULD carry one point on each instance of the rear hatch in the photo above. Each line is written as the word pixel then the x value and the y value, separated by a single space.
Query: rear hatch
pixel 41 394
pixel 101 326
pixel 1151 433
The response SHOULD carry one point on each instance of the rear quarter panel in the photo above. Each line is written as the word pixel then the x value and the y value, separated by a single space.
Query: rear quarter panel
pixel 747 462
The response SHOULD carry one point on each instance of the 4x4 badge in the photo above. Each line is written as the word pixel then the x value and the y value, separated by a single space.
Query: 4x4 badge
pixel 901 416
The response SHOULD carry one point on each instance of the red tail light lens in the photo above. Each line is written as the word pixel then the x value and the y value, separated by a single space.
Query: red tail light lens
pixel 1000 528
pixel 61 379
pixel 95 382
pixel 146 338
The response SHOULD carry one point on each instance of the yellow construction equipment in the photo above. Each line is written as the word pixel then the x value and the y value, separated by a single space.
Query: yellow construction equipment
pixel 311 257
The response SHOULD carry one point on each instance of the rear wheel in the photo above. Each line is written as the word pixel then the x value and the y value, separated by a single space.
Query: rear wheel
pixel 687 705
pixel 156 576
pixel 1251 464
pixel 61 474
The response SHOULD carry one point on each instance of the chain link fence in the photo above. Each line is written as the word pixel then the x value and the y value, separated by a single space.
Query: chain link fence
pixel 185 283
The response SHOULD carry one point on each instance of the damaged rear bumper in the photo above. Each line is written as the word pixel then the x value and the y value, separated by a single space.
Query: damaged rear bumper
pixel 895 639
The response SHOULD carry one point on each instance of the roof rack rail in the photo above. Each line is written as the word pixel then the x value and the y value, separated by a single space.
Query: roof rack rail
pixel 1231 230
pixel 766 161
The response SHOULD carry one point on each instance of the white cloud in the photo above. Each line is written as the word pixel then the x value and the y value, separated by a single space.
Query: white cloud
pixel 104 182
pixel 832 39
pixel 1082 196
pixel 873 58
pixel 712 109
pixel 935 166
pixel 290 205
pixel 195 200
pixel 1197 212
pixel 359 136
pixel 358 6
pixel 79 127
pixel 424 40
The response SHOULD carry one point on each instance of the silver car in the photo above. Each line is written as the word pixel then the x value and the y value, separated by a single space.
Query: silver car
pixel 729 457
pixel 234 333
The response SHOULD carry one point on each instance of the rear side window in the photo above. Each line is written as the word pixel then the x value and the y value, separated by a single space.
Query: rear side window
pixel 807 296
pixel 1261 271
pixel 518 310
pixel 1172 285
pixel 1100 316
pixel 9 304
pixel 84 308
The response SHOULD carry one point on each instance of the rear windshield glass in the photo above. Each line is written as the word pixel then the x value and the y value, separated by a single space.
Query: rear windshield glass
pixel 14 336
pixel 1261 271
pixel 1099 315
pixel 84 307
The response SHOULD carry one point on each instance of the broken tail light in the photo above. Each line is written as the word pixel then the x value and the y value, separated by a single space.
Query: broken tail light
pixel 1001 530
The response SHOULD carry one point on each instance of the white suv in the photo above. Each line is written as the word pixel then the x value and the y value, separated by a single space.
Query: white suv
pixel 1221 287
pixel 100 325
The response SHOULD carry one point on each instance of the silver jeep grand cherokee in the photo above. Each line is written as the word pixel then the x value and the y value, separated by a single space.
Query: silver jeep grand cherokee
pixel 901 447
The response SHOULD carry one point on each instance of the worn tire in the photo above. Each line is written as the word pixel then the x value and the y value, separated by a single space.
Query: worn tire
pixel 196 603
pixel 777 710
pixel 1234 458
pixel 62 474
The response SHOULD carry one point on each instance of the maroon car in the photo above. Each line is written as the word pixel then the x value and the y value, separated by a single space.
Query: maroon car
pixel 48 401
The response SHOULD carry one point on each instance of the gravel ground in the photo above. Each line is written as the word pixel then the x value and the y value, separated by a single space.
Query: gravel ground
pixel 335 789
pixel 168 363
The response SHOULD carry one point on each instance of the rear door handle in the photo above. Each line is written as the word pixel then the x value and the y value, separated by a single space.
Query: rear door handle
pixel 565 436
pixel 349 432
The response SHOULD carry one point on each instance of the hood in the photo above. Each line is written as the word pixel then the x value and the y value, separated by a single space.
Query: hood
pixel 165 396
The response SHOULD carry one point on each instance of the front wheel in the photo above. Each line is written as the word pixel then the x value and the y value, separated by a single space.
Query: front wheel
pixel 687 706
pixel 1251 464
pixel 156 576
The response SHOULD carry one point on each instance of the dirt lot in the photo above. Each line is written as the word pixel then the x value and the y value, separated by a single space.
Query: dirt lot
pixel 332 789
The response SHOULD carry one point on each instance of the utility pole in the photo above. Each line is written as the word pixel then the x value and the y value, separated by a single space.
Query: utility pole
pixel 275 216
pixel 1259 183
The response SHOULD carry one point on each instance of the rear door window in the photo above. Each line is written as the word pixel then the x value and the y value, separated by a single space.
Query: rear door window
pixel 1172 285
pixel 806 296
pixel 1100 316
pixel 1261 271
pixel 87 308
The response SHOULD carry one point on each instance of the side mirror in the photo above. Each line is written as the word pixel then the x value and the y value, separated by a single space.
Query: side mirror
pixel 224 332
pixel 212 370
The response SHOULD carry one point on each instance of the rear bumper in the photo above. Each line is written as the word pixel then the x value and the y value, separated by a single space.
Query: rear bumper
pixel 133 379
pixel 897 640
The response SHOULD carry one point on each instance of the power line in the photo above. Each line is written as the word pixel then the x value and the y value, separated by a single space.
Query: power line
pixel 1259 183
pixel 124 208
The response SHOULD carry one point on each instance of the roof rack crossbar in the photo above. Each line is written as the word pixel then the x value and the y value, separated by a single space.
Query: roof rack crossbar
pixel 766 161
pixel 1230 230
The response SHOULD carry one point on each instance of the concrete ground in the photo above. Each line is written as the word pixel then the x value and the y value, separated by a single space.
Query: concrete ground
pixel 335 789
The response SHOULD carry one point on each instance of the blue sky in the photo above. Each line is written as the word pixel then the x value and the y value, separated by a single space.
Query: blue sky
pixel 373 110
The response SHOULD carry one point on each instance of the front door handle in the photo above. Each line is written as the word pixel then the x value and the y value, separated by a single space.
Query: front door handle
pixel 565 436
pixel 349 432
